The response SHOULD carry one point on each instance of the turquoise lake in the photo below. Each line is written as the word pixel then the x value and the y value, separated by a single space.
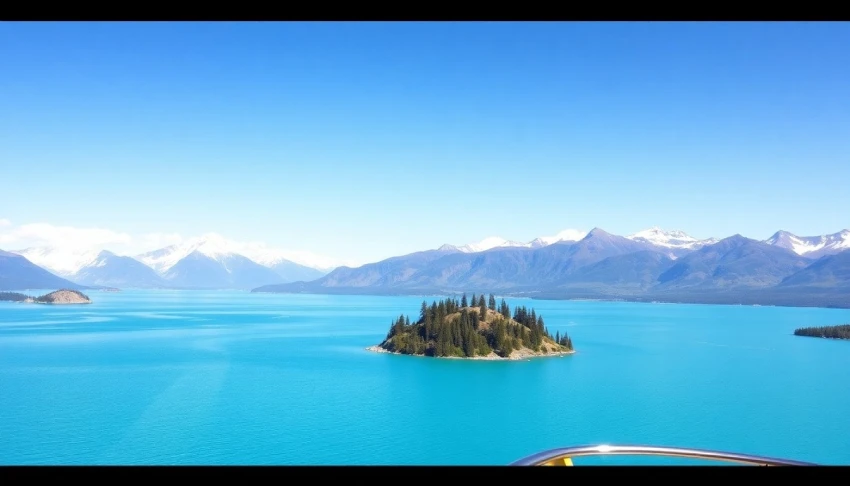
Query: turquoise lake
pixel 194 377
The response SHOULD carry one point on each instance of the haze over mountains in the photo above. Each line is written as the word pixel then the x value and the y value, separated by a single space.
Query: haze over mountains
pixel 649 265
pixel 207 262
pixel 213 262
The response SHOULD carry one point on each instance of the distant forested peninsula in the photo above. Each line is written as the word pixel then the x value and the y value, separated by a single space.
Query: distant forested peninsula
pixel 13 297
pixel 474 328
pixel 831 332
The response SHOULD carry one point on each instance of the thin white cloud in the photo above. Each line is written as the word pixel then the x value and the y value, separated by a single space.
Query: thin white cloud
pixel 155 241
pixel 5 222
pixel 45 234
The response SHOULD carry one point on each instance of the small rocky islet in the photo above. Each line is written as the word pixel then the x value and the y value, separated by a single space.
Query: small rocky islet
pixel 58 297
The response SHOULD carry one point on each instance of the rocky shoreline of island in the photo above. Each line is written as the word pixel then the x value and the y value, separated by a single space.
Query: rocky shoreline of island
pixel 515 356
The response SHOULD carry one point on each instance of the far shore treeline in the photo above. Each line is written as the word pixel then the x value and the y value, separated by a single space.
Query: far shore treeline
pixel 832 332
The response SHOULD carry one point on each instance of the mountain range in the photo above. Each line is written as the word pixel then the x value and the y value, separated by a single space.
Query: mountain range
pixel 652 265
pixel 649 265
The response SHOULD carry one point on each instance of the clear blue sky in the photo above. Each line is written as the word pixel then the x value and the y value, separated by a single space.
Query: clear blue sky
pixel 366 140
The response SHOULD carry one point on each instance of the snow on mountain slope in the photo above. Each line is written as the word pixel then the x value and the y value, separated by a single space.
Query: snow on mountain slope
pixel 811 246
pixel 670 239
pixel 113 270
pixel 489 244
pixel 566 235
pixel 499 242
pixel 220 271
pixel 211 245
pixel 61 261
pixel 221 249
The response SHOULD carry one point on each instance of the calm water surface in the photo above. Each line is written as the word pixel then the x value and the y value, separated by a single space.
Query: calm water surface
pixel 172 377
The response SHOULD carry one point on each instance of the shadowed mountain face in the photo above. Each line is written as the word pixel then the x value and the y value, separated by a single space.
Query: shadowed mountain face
pixel 18 273
pixel 633 271
pixel 831 271
pixel 495 268
pixel 112 270
pixel 292 272
pixel 505 268
pixel 599 245
pixel 733 263
pixel 386 273
pixel 199 271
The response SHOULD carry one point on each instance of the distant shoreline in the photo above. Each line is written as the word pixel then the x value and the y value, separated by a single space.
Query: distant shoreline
pixel 491 357
pixel 839 302
pixel 839 332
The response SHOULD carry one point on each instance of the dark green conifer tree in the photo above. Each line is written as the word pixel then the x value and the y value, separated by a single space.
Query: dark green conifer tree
pixel 468 344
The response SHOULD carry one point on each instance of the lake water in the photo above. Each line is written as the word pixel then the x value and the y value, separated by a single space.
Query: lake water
pixel 173 377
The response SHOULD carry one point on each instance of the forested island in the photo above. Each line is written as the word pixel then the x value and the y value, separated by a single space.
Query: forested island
pixel 475 328
pixel 830 332
pixel 63 296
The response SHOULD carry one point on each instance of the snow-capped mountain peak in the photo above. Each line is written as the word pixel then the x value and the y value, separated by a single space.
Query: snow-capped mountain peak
pixel 670 239
pixel 566 235
pixel 811 246
pixel 61 261
pixel 211 245
pixel 214 246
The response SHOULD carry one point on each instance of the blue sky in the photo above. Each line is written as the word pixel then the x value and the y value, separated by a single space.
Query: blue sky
pixel 366 140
